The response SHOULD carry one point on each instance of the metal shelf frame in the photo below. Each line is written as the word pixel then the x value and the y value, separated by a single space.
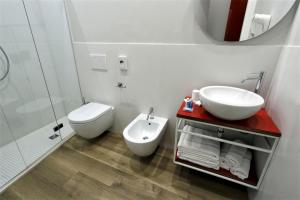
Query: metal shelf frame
pixel 269 151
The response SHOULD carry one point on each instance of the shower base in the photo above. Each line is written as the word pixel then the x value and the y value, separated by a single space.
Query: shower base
pixel 34 147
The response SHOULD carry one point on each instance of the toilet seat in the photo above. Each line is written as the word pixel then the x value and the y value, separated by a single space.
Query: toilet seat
pixel 87 113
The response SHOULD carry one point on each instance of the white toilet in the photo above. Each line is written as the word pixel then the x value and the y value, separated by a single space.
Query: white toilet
pixel 143 136
pixel 91 120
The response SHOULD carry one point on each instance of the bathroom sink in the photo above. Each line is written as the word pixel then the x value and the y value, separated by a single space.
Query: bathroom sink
pixel 230 103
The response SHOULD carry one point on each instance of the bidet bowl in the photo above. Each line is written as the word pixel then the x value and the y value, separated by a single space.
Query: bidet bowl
pixel 142 137
pixel 230 103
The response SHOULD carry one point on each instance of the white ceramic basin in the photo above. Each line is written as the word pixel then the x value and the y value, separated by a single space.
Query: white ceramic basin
pixel 230 103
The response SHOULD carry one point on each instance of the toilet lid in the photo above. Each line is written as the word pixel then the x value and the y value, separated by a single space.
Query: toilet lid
pixel 88 112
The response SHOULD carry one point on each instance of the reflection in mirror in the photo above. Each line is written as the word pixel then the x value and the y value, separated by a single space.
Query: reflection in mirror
pixel 239 20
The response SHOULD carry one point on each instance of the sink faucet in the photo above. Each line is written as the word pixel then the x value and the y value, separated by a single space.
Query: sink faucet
pixel 151 111
pixel 259 78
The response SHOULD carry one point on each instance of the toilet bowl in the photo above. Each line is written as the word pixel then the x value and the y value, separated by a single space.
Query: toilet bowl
pixel 91 120
pixel 142 137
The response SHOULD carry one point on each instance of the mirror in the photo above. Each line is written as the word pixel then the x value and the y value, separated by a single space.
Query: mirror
pixel 240 20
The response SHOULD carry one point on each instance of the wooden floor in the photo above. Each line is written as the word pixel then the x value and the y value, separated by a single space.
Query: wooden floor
pixel 104 168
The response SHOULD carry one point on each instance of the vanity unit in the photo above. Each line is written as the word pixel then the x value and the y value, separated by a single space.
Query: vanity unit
pixel 259 132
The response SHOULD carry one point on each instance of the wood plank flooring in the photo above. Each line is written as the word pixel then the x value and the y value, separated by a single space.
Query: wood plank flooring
pixel 104 168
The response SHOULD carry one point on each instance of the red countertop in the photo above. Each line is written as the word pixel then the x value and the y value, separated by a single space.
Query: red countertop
pixel 261 122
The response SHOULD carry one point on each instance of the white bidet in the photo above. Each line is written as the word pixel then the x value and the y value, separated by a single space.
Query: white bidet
pixel 142 136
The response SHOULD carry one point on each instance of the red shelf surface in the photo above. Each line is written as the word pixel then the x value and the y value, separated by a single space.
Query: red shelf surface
pixel 261 122
pixel 251 180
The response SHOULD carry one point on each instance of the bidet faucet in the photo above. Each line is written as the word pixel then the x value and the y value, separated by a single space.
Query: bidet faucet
pixel 259 77
pixel 151 110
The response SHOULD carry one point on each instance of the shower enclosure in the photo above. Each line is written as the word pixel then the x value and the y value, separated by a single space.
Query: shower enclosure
pixel 38 83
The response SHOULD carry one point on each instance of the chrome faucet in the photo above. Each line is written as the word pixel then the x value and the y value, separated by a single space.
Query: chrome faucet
pixel 259 77
pixel 151 111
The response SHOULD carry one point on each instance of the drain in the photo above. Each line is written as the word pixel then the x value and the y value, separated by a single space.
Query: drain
pixel 145 138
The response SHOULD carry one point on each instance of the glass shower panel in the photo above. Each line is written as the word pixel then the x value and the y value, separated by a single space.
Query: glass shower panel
pixel 11 162
pixel 52 37
pixel 23 94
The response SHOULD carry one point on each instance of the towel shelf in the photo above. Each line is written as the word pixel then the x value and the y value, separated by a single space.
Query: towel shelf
pixel 266 150
pixel 251 181
pixel 262 139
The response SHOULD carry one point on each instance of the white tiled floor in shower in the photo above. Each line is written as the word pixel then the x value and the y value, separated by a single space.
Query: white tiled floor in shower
pixel 13 164
pixel 32 147
pixel 38 143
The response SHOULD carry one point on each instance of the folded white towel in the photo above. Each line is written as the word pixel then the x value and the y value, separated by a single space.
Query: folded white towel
pixel 203 162
pixel 236 155
pixel 243 170
pixel 197 155
pixel 199 145
pixel 224 163
pixel 199 150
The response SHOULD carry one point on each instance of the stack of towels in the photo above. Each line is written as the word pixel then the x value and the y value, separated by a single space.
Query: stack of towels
pixel 208 153
pixel 236 159
pixel 199 150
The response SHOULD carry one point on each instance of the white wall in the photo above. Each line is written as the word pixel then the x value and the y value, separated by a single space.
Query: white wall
pixel 139 20
pixel 283 178
pixel 169 54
